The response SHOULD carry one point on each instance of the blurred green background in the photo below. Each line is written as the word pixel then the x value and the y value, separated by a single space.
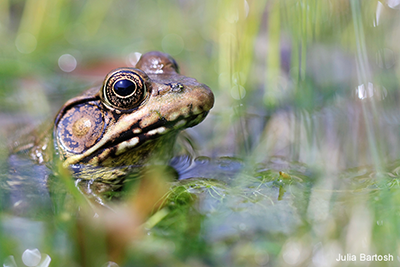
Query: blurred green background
pixel 304 87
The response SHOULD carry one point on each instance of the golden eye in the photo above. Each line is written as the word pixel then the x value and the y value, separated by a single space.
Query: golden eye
pixel 124 89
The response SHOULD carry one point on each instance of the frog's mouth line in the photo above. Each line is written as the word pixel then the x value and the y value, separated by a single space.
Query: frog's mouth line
pixel 153 132
pixel 103 150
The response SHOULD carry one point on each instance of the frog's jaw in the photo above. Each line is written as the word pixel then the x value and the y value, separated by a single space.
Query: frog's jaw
pixel 102 151
pixel 166 129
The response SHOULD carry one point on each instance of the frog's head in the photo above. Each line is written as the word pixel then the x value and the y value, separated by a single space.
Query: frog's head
pixel 134 112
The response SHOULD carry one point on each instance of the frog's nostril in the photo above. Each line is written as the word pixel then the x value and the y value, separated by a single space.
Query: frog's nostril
pixel 176 87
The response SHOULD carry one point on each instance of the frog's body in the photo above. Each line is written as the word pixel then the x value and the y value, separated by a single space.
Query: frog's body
pixel 135 116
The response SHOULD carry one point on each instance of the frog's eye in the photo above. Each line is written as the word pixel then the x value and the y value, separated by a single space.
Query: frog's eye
pixel 124 89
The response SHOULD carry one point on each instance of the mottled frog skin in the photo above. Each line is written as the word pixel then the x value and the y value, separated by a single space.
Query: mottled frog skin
pixel 133 117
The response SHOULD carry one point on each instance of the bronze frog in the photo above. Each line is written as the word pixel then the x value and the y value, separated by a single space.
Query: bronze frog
pixel 133 117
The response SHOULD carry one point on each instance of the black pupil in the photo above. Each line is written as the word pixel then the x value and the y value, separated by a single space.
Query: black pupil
pixel 124 87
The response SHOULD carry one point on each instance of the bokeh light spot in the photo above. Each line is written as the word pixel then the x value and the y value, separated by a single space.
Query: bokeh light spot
pixel 10 262
pixel 292 253
pixel 26 43
pixel 395 4
pixel 246 8
pixel 67 62
pixel 238 92
pixel 110 264
pixel 31 257
pixel 370 91
pixel 134 57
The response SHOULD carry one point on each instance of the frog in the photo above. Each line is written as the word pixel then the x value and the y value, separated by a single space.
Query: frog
pixel 132 119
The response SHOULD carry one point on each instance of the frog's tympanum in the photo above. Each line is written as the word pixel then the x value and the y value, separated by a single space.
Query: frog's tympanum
pixel 133 117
